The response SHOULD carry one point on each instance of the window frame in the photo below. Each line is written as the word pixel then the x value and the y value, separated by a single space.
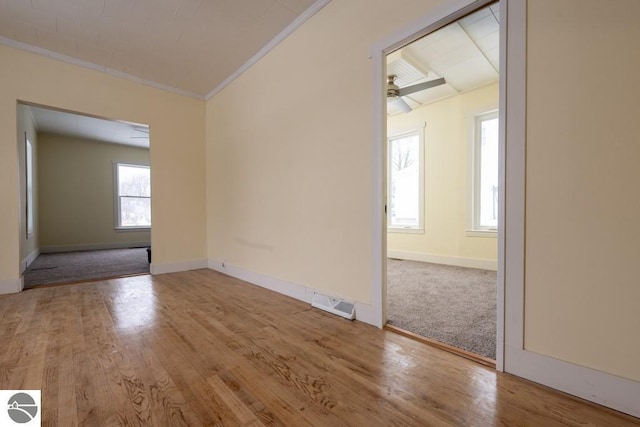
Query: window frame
pixel 403 133
pixel 117 197
pixel 478 230
pixel 29 187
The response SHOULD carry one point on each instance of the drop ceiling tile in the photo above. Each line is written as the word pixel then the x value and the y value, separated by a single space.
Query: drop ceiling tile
pixel 482 28
pixel 495 8
pixel 474 17
pixel 491 41
pixel 471 73
pixel 493 55
pixel 434 94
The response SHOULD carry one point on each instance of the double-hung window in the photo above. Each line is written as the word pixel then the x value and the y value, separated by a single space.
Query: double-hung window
pixel 405 203
pixel 485 179
pixel 133 196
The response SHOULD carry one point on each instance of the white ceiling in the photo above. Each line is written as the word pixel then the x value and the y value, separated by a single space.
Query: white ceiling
pixel 465 53
pixel 188 45
pixel 63 123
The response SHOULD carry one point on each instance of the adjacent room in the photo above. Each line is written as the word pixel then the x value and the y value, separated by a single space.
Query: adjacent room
pixel 442 207
pixel 88 197
pixel 263 191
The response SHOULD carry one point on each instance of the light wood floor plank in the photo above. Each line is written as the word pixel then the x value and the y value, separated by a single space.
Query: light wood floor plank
pixel 200 348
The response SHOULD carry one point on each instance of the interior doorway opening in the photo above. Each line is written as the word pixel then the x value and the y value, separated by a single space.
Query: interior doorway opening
pixel 85 196
pixel 442 185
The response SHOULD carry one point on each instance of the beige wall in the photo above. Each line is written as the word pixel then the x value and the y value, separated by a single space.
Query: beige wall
pixel 582 233
pixel 177 148
pixel 76 181
pixel 289 169
pixel 290 153
pixel 288 176
pixel 448 158
pixel 30 244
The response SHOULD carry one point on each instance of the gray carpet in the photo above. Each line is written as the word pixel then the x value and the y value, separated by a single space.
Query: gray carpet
pixel 454 305
pixel 86 265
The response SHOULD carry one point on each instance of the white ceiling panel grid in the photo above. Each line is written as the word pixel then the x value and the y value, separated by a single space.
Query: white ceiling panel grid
pixel 465 53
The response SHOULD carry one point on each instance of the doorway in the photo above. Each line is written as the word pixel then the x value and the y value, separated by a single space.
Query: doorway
pixel 442 185
pixel 87 214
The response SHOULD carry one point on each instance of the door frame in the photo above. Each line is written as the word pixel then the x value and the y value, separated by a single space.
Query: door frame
pixel 423 26
pixel 511 355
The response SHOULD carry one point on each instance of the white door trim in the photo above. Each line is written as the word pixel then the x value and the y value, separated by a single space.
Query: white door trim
pixel 441 16
pixel 599 387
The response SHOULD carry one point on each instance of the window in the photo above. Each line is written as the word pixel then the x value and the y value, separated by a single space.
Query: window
pixel 29 184
pixel 133 194
pixel 405 211
pixel 485 185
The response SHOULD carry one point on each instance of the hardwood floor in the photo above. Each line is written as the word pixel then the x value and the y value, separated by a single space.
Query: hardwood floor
pixel 200 348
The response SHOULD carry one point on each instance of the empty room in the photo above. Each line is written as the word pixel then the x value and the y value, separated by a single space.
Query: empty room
pixel 268 126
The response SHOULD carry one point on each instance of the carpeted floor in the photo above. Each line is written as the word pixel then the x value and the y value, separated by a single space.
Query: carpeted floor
pixel 454 305
pixel 86 265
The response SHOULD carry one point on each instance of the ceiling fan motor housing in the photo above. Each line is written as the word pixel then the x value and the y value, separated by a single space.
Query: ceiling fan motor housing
pixel 392 88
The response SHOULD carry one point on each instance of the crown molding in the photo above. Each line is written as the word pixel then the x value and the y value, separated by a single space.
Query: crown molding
pixel 312 10
pixel 90 65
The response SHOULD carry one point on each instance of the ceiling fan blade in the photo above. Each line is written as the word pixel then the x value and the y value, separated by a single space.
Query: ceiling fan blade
pixel 399 103
pixel 403 91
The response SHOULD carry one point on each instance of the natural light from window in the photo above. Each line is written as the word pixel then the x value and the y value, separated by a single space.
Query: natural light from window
pixel 405 181
pixel 486 185
pixel 134 196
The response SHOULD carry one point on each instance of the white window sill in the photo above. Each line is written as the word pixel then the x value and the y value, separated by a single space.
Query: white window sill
pixel 482 233
pixel 405 230
pixel 119 229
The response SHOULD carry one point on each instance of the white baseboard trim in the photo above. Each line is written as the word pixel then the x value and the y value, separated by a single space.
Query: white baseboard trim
pixel 484 264
pixel 600 387
pixel 364 312
pixel 92 247
pixel 11 286
pixel 26 262
pixel 173 267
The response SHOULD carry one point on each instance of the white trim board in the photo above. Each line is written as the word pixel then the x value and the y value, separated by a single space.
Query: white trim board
pixel 304 17
pixel 28 260
pixel 590 384
pixel 484 264
pixel 90 65
pixel 364 312
pixel 439 16
pixel 92 247
pixel 301 19
pixel 174 267
pixel 12 286
pixel 600 387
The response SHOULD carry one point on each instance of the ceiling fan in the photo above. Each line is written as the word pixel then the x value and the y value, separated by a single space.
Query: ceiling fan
pixel 395 93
